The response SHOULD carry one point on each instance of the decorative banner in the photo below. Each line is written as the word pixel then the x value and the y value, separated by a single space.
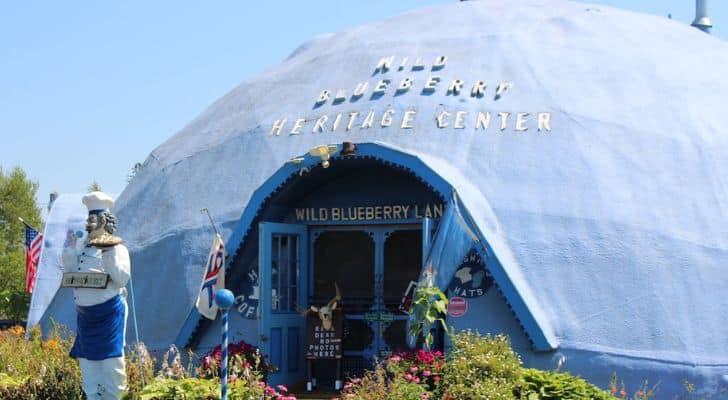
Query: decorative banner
pixel 471 279
pixel 67 218
pixel 458 307
pixel 213 280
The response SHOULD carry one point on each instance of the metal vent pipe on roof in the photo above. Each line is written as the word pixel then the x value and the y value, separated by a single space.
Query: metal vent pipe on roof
pixel 702 20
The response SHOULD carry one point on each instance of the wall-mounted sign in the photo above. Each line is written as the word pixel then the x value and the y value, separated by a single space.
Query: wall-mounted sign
pixel 382 84
pixel 247 303
pixel 322 343
pixel 369 213
pixel 457 307
pixel 471 279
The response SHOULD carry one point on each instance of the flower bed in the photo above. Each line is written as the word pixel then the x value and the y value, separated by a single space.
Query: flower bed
pixel 477 367
pixel 32 368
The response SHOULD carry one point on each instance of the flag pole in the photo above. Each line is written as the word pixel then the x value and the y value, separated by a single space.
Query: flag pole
pixel 224 299
pixel 29 225
pixel 206 211
pixel 136 332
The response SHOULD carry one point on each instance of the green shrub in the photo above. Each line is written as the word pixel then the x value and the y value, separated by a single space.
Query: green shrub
pixel 34 368
pixel 481 367
pixel 554 385
pixel 171 389
pixel 207 389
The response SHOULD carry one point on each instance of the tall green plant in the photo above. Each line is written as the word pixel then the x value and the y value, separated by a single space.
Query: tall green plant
pixel 429 305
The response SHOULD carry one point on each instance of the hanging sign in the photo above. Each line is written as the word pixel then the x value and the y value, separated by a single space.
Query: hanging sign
pixel 471 279
pixel 321 343
pixel 457 307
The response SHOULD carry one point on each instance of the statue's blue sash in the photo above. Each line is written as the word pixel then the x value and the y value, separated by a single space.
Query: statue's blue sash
pixel 100 330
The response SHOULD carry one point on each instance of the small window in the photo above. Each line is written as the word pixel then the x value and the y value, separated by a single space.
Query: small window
pixel 284 273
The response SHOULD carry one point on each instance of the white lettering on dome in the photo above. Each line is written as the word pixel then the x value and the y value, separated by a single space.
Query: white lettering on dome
pixel 388 80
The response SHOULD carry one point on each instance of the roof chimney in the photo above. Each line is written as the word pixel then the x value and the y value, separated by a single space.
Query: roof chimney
pixel 702 20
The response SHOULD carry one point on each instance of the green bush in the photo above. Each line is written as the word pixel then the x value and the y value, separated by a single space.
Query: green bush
pixel 37 369
pixel 171 389
pixel 554 385
pixel 481 367
pixel 207 389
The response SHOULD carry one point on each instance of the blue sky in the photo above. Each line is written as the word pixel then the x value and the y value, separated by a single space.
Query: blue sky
pixel 89 88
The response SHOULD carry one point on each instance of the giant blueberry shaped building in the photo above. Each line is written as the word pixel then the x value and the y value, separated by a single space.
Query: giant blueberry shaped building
pixel 587 148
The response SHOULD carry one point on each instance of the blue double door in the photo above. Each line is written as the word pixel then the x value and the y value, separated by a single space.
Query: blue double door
pixel 373 267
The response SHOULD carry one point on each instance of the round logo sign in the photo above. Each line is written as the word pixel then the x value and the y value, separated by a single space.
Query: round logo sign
pixel 457 307
pixel 471 279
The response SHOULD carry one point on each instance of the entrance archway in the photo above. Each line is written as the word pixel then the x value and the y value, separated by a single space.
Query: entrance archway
pixel 357 224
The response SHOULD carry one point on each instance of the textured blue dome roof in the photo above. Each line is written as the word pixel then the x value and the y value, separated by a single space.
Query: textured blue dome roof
pixel 613 223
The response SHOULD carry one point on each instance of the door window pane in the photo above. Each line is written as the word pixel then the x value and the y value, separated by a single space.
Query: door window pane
pixel 402 264
pixel 284 272
pixel 347 258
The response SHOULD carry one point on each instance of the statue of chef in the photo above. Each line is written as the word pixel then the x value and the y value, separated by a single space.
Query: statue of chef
pixel 98 273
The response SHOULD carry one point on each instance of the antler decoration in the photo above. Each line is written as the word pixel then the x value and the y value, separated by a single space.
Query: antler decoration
pixel 335 301
pixel 326 312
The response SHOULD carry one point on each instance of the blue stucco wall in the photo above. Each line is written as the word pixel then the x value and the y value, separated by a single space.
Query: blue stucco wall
pixel 613 226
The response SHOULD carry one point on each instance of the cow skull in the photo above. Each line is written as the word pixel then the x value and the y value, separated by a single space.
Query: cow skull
pixel 325 313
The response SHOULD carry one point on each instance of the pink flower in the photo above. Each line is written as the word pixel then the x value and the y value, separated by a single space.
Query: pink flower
pixel 282 388
pixel 416 380
pixel 408 376
pixel 414 369
pixel 425 396
pixel 395 358
pixel 437 378
pixel 426 372
pixel 348 385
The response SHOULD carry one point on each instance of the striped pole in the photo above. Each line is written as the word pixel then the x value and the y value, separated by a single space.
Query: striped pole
pixel 224 299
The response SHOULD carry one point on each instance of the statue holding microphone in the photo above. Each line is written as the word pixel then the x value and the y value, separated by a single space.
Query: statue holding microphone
pixel 98 272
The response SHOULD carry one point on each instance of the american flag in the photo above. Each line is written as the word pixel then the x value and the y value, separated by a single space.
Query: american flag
pixel 33 242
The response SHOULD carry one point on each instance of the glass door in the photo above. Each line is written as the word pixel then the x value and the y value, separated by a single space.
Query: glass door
pixel 373 267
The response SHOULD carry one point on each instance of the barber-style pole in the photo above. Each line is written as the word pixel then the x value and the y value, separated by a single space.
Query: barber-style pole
pixel 224 299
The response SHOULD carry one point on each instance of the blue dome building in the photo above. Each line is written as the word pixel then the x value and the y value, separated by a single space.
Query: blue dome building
pixel 587 147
